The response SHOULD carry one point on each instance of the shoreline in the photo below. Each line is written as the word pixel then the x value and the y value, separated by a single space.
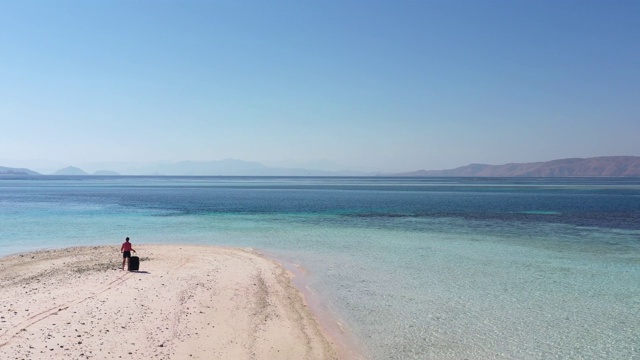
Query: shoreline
pixel 347 346
pixel 187 301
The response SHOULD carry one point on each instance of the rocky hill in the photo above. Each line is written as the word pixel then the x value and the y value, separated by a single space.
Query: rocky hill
pixel 605 166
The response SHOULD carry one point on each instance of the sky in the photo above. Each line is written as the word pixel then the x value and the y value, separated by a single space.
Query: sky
pixel 362 85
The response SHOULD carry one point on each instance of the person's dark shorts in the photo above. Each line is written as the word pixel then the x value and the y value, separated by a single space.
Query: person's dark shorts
pixel 126 254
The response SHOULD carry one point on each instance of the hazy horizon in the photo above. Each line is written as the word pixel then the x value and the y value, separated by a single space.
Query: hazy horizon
pixel 46 166
pixel 238 167
pixel 342 85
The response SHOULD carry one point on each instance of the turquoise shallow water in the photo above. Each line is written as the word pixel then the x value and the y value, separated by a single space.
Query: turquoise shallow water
pixel 416 268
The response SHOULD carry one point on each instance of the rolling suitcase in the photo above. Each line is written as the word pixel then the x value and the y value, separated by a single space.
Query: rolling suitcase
pixel 134 263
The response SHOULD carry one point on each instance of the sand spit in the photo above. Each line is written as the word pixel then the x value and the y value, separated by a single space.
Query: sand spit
pixel 186 302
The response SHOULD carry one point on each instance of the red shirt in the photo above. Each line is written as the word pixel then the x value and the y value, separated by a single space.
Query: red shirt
pixel 126 246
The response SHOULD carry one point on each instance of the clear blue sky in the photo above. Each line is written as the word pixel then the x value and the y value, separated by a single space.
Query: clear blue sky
pixel 384 85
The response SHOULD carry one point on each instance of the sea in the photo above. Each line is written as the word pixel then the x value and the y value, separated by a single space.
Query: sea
pixel 410 268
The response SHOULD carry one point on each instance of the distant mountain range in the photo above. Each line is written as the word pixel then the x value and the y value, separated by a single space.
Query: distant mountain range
pixel 71 170
pixel 606 166
pixel 227 167
pixel 612 166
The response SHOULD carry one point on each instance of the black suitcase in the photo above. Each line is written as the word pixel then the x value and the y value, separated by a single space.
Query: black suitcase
pixel 134 263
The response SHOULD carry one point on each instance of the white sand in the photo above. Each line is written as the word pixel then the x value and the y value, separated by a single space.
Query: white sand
pixel 187 302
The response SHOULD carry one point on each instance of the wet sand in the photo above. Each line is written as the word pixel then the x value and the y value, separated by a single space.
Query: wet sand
pixel 186 302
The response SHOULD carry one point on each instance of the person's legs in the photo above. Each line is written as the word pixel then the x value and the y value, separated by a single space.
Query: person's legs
pixel 125 258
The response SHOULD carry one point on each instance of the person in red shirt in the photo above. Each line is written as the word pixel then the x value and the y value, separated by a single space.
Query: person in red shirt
pixel 126 250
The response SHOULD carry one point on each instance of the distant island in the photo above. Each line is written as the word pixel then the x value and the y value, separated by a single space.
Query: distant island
pixel 16 171
pixel 604 166
pixel 106 173
pixel 70 170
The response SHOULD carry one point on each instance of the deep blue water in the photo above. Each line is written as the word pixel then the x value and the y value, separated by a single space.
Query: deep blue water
pixel 442 268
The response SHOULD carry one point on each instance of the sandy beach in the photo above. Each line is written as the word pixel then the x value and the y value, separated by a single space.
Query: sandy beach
pixel 186 302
